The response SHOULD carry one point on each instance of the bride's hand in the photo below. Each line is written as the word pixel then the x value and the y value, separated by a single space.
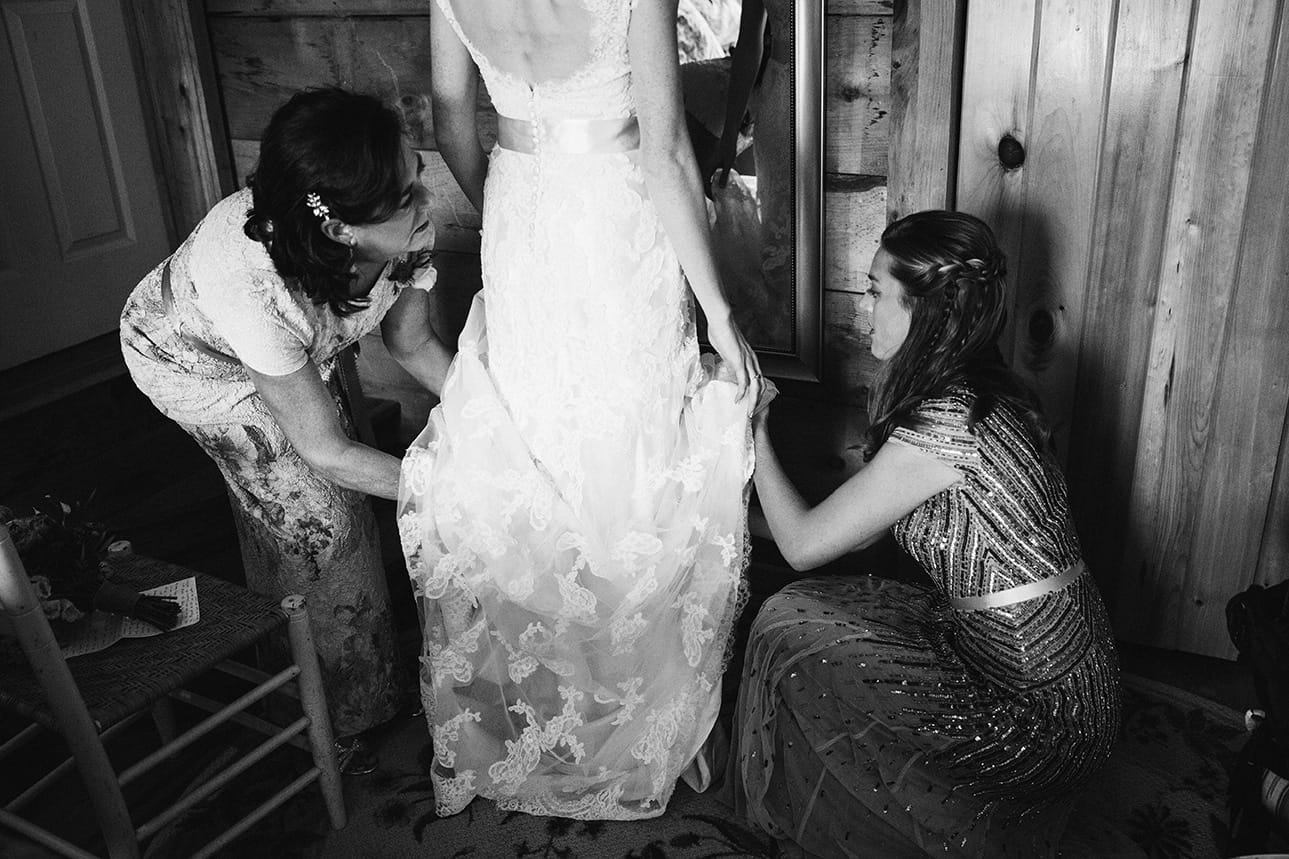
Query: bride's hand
pixel 729 343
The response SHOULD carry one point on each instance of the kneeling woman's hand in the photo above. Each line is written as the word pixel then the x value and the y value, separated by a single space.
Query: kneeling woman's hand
pixel 765 394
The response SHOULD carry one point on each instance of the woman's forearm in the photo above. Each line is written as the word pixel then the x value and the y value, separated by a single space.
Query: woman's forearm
pixel 671 175
pixel 454 88
pixel 466 160
pixel 782 504
pixel 362 468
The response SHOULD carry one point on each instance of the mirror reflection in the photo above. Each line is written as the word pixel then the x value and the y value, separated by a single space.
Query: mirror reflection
pixel 737 73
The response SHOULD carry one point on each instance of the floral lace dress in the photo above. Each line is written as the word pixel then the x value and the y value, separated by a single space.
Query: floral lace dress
pixel 299 533
pixel 877 718
pixel 574 514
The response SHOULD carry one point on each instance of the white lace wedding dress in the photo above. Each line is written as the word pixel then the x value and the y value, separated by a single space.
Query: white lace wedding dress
pixel 574 514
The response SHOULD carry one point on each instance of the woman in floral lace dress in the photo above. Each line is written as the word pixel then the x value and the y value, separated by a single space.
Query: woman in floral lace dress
pixel 235 337
pixel 574 515
pixel 877 718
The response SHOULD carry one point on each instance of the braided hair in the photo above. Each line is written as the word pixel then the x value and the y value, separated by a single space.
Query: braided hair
pixel 953 274
pixel 325 153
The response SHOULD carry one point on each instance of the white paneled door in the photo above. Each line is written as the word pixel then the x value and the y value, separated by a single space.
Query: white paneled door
pixel 80 206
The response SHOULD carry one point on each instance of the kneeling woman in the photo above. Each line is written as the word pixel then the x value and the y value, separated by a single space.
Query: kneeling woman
pixel 878 718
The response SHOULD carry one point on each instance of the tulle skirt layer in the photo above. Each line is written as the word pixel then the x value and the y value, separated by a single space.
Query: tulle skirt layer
pixel 576 611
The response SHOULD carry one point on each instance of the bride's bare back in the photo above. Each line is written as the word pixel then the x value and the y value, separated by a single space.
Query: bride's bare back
pixel 536 41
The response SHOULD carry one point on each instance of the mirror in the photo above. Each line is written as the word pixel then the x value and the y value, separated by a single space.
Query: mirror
pixel 767 215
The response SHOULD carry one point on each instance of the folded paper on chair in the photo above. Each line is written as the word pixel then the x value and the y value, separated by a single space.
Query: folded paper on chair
pixel 103 629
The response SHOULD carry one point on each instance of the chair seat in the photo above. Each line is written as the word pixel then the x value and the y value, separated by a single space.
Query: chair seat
pixel 232 619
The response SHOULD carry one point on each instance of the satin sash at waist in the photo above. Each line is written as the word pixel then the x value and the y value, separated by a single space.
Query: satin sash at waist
pixel 569 136
pixel 1021 593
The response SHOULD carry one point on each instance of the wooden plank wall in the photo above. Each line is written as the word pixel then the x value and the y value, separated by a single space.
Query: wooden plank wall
pixel 819 436
pixel 1147 232
pixel 1147 229
pixel 266 49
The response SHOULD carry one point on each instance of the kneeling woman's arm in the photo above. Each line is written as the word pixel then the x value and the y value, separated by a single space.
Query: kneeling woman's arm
pixel 305 411
pixel 892 484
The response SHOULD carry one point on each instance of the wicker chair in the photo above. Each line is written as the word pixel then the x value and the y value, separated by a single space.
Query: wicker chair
pixel 92 697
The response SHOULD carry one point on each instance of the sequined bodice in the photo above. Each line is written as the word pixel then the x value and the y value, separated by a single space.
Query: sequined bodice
pixel 599 88
pixel 1007 523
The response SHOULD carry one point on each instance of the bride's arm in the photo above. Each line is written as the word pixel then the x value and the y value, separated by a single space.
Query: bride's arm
pixel 671 174
pixel 453 88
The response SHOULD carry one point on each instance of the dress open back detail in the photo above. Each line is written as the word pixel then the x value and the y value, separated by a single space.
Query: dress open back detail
pixel 574 514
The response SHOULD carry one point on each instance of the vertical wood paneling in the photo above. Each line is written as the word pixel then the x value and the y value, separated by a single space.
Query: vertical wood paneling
pixel 1273 562
pixel 849 364
pixel 925 55
pixel 1252 388
pixel 262 61
pixel 1266 264
pixel 1142 103
pixel 857 96
pixel 185 120
pixel 854 217
pixel 1049 270
pixel 1220 114
pixel 996 77
pixel 1149 225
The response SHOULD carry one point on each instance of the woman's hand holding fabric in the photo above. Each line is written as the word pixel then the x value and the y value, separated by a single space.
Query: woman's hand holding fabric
pixel 761 411
pixel 733 348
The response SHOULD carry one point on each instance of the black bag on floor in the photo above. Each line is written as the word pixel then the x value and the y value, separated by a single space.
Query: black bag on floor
pixel 1258 622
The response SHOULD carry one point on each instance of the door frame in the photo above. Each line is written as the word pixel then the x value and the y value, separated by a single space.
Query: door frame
pixel 180 95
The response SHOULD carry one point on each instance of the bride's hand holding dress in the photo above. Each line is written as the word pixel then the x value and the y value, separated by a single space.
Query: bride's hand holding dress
pixel 732 346
pixel 672 177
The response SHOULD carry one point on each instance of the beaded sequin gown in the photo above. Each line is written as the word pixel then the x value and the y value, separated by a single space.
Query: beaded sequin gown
pixel 574 514
pixel 877 718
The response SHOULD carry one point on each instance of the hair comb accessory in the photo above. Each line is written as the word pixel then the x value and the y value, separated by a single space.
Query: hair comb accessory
pixel 315 204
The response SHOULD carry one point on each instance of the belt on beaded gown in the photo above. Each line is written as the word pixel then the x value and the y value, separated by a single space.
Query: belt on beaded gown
pixel 569 136
pixel 1021 593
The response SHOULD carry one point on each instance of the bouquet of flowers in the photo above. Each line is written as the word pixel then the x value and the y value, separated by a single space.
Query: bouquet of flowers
pixel 64 555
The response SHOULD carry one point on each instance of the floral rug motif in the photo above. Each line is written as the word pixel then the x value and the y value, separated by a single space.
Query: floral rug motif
pixel 1162 796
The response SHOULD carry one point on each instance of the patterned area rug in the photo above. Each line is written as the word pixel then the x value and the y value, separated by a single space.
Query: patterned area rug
pixel 1162 796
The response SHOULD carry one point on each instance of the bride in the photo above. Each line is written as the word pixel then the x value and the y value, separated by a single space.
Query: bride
pixel 574 514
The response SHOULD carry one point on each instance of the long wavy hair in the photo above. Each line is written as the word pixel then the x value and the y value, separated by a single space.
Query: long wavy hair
pixel 953 274
pixel 345 147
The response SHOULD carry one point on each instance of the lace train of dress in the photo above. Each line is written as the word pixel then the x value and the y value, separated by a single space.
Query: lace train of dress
pixel 574 514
